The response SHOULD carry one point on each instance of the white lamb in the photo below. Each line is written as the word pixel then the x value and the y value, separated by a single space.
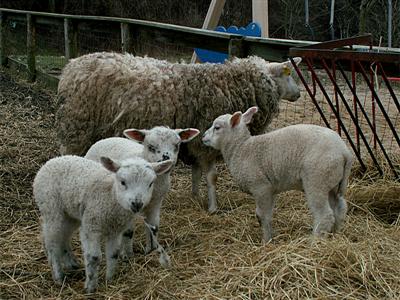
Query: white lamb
pixel 302 157
pixel 157 144
pixel 72 191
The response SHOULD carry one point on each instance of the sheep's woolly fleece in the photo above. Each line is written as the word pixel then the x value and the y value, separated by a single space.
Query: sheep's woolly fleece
pixel 104 93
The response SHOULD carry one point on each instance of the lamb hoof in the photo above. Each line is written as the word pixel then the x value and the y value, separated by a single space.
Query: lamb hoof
pixel 126 255
pixel 165 261
pixel 212 209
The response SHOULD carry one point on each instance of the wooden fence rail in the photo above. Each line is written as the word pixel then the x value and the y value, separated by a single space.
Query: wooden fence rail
pixel 233 44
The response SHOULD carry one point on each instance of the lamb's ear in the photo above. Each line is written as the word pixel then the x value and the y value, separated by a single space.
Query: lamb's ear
pixel 297 60
pixel 162 167
pixel 187 134
pixel 135 134
pixel 109 164
pixel 248 115
pixel 235 119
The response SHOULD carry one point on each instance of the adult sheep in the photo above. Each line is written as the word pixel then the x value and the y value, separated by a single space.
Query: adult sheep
pixel 103 93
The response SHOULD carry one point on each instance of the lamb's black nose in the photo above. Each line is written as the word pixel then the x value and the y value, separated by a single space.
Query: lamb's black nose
pixel 136 206
pixel 165 157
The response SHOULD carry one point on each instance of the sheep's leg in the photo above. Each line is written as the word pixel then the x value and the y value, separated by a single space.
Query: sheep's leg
pixel 53 241
pixel 164 257
pixel 69 259
pixel 211 177
pixel 152 217
pixel 92 255
pixel 127 242
pixel 339 206
pixel 196 178
pixel 112 252
pixel 265 202
pixel 318 202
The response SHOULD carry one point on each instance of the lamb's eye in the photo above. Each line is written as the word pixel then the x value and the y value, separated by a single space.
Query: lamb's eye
pixel 152 148
pixel 123 183
pixel 151 184
pixel 217 127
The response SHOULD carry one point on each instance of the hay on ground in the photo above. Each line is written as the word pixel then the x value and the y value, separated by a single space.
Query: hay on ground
pixel 218 256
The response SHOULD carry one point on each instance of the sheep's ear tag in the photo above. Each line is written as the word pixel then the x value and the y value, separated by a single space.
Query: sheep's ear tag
pixel 286 71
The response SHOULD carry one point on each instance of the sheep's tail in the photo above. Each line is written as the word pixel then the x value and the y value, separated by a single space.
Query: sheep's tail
pixel 346 173
pixel 340 209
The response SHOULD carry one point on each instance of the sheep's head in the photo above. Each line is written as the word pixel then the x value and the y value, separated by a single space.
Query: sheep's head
pixel 161 143
pixel 134 180
pixel 282 75
pixel 224 126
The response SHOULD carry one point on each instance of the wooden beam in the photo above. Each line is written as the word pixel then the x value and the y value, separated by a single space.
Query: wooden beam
pixel 260 15
pixel 31 47
pixel 212 18
pixel 3 40
pixel 126 38
pixel 70 38
pixel 236 48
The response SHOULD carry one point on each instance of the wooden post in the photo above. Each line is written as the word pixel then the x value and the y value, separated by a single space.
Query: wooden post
pixel 70 38
pixel 3 40
pixel 31 47
pixel 52 6
pixel 212 19
pixel 260 15
pixel 126 39
pixel 236 48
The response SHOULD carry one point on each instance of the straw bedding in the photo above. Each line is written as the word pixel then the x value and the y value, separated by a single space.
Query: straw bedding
pixel 217 256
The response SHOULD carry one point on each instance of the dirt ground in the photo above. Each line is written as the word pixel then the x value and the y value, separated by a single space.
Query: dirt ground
pixel 218 256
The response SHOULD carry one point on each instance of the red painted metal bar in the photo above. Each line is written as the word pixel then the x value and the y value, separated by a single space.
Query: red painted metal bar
pixel 389 87
pixel 336 98
pixel 354 80
pixel 373 109
pixel 353 90
pixel 320 85
pixel 358 40
pixel 385 115
pixel 348 108
pixel 347 55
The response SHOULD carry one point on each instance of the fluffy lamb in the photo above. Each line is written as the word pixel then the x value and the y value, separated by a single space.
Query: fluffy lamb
pixel 101 199
pixel 103 93
pixel 303 157
pixel 157 144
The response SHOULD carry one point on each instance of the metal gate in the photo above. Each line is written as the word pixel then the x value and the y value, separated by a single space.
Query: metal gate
pixel 361 88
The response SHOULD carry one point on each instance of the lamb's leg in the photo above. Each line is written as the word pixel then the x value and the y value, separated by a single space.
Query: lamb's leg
pixel 339 207
pixel 318 202
pixel 152 217
pixel 69 259
pixel 127 242
pixel 164 258
pixel 196 178
pixel 112 252
pixel 92 255
pixel 265 202
pixel 211 177
pixel 53 241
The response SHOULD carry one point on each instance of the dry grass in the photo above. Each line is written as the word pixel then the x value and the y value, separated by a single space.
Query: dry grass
pixel 217 256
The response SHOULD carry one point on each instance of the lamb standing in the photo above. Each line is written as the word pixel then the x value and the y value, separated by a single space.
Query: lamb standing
pixel 72 191
pixel 303 157
pixel 103 93
pixel 157 144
